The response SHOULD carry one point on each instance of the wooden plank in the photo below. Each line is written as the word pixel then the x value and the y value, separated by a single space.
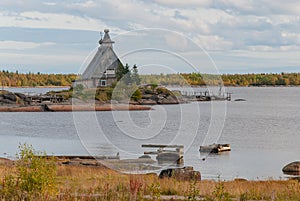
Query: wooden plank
pixel 164 151
pixel 162 146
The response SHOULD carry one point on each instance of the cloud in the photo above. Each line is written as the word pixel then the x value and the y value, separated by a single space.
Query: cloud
pixel 213 43
pixel 50 21
pixel 50 3
pixel 20 45
pixel 216 25
pixel 184 4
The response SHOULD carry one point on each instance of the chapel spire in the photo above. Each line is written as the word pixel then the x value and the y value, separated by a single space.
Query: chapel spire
pixel 106 41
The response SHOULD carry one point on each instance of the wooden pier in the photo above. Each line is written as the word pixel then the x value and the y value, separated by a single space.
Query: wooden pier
pixel 205 96
pixel 166 155
pixel 47 98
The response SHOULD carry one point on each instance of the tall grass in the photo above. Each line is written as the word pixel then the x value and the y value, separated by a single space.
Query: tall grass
pixel 38 178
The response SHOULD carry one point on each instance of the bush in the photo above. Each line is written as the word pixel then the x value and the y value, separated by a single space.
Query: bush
pixel 137 95
pixel 34 176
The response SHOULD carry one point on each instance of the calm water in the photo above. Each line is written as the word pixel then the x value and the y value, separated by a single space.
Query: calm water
pixel 263 132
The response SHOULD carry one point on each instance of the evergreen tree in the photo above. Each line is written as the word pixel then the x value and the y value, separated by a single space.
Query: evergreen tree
pixel 119 72
pixel 123 73
pixel 135 76
pixel 127 75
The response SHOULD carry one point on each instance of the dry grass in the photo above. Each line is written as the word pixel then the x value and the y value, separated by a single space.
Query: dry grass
pixel 94 183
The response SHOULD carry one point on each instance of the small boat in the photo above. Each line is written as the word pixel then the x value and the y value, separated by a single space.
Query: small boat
pixel 215 148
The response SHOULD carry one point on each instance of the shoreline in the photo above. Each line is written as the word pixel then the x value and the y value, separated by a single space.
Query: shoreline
pixel 132 167
pixel 25 87
pixel 172 86
pixel 73 108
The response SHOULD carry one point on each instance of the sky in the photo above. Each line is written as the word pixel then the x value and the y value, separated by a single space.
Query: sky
pixel 160 36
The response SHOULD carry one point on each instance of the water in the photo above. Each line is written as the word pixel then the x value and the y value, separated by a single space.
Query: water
pixel 263 132
pixel 34 91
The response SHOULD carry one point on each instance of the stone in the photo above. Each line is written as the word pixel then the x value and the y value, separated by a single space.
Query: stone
pixel 22 96
pixel 293 167
pixel 168 100
pixel 240 99
pixel 10 96
pixel 147 102
pixel 240 179
pixel 184 174
pixel 7 101
pixel 145 156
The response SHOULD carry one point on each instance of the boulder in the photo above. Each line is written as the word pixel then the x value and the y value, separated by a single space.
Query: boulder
pixel 147 96
pixel 168 100
pixel 7 101
pixel 292 168
pixel 23 97
pixel 240 99
pixel 184 174
pixel 147 102
pixel 20 95
pixel 10 96
pixel 145 156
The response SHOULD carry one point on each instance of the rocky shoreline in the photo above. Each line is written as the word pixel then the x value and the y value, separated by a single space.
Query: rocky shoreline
pixel 65 101
pixel 72 108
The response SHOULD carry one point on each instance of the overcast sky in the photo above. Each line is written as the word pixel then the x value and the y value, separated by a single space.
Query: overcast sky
pixel 227 36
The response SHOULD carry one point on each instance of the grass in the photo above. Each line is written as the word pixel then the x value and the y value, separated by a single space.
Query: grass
pixel 94 183
pixel 33 177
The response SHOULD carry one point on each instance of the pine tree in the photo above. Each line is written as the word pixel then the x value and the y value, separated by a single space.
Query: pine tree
pixel 135 76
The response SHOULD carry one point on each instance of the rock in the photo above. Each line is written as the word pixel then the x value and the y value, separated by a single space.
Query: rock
pixel 10 96
pixel 145 156
pixel 147 91
pixel 293 168
pixel 240 99
pixel 185 174
pixel 22 96
pixel 132 102
pixel 6 101
pixel 147 96
pixel 7 97
pixel 168 100
pixel 240 179
pixel 147 102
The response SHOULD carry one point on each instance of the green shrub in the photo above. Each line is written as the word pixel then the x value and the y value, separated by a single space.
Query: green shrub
pixel 137 95
pixel 34 176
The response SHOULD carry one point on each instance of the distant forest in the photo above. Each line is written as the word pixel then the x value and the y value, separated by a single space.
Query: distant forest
pixel 263 79
pixel 16 79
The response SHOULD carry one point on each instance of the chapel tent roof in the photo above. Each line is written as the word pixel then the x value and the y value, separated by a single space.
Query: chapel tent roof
pixel 104 59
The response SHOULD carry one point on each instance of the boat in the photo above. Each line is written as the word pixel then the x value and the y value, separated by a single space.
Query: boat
pixel 215 148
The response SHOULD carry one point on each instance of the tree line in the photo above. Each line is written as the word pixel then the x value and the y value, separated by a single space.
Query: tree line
pixel 198 79
pixel 16 79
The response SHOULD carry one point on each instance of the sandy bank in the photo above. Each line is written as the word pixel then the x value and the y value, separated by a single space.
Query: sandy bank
pixel 71 108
